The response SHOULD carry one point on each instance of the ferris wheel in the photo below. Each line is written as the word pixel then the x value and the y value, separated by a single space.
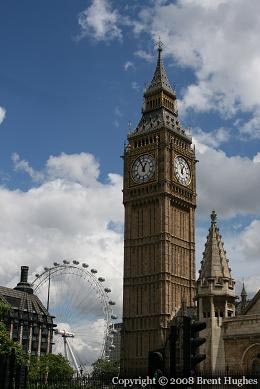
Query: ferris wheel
pixel 79 300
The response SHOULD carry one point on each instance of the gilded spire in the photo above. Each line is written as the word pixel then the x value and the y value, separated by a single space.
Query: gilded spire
pixel 215 262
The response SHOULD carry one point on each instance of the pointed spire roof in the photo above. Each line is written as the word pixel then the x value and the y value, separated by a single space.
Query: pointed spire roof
pixel 243 291
pixel 160 80
pixel 215 262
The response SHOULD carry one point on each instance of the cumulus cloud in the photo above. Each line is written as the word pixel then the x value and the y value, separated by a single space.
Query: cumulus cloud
pixel 205 36
pixel 228 184
pixel 208 37
pixel 144 55
pixel 2 114
pixel 256 158
pixel 213 138
pixel 69 215
pixel 100 21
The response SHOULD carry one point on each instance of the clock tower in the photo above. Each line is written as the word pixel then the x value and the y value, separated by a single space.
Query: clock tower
pixel 159 196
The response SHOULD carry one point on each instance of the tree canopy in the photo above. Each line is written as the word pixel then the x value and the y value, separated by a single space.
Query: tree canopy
pixel 105 368
pixel 6 344
pixel 57 366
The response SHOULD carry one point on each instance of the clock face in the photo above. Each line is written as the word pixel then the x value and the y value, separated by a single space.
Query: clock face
pixel 143 168
pixel 182 171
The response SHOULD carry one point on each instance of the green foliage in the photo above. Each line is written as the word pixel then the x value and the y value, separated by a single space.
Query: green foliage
pixel 4 309
pixel 6 344
pixel 105 368
pixel 57 366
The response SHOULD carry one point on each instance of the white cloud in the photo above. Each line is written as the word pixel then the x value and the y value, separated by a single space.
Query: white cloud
pixel 100 21
pixel 2 114
pixel 256 158
pixel 251 128
pixel 209 37
pixel 231 185
pixel 213 138
pixel 249 241
pixel 144 55
pixel 129 65
pixel 69 215
pixel 22 165
pixel 79 168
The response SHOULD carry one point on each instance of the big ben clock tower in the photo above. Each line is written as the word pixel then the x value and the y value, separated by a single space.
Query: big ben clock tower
pixel 159 196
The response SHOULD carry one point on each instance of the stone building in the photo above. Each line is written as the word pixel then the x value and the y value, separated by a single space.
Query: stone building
pixel 233 335
pixel 28 321
pixel 159 195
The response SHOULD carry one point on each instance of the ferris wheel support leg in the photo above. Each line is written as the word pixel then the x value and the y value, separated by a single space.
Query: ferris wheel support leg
pixel 65 347
pixel 74 359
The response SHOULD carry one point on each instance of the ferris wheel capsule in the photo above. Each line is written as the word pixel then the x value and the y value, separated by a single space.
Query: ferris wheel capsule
pixel 93 271
pixel 55 264
pixel 75 262
pixel 101 279
pixel 114 317
pixel 46 268
pixel 85 265
pixel 111 302
pixel 107 290
pixel 37 275
pixel 66 262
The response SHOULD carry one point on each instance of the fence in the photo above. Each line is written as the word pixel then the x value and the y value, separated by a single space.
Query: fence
pixel 12 375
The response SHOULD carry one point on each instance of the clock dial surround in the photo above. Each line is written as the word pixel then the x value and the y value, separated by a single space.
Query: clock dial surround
pixel 143 168
pixel 182 171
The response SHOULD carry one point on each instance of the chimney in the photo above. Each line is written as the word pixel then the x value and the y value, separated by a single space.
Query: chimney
pixel 23 285
pixel 24 274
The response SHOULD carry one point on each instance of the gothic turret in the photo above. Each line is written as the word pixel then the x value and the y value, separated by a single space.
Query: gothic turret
pixel 215 296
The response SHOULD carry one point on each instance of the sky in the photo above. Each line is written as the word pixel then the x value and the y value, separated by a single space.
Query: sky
pixel 72 76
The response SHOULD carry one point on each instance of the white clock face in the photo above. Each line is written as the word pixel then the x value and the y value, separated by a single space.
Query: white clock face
pixel 182 171
pixel 143 168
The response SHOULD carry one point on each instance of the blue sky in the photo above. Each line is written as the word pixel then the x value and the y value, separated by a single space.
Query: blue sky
pixel 72 75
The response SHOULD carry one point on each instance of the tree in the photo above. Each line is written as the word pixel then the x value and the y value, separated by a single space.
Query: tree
pixel 56 365
pixel 6 344
pixel 105 368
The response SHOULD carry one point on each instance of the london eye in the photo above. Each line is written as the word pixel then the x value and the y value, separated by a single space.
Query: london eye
pixel 79 300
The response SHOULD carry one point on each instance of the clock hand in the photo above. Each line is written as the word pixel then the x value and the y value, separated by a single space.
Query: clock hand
pixel 143 167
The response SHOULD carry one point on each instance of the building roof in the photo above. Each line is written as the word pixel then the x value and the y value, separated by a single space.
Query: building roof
pixel 160 80
pixel 215 262
pixel 22 298
pixel 160 107
pixel 254 303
